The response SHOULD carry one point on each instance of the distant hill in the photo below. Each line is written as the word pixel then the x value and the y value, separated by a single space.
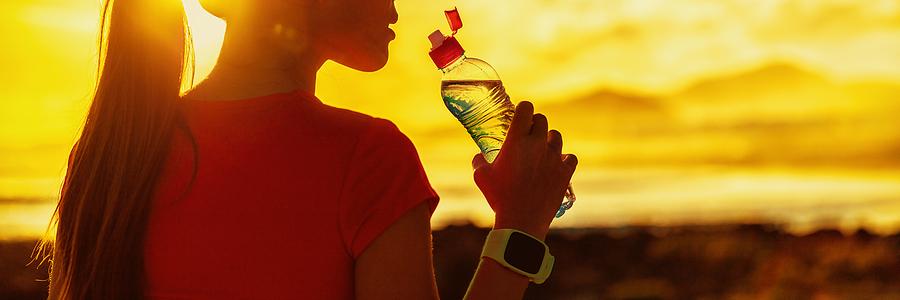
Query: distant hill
pixel 775 114
pixel 610 100
pixel 609 112
pixel 775 77
pixel 722 261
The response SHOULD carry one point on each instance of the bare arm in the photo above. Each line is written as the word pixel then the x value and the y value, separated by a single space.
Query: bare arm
pixel 398 265
pixel 524 186
pixel 495 282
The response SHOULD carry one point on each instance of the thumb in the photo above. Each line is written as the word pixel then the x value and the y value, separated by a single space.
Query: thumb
pixel 481 167
pixel 478 162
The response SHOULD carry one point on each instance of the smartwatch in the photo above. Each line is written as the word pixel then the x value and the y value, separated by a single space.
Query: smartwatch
pixel 519 252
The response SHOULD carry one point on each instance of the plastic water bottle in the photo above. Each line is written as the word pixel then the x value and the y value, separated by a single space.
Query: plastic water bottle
pixel 474 94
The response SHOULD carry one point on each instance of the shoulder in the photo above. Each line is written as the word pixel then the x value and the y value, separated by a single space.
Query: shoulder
pixel 332 118
pixel 343 119
pixel 369 132
pixel 383 140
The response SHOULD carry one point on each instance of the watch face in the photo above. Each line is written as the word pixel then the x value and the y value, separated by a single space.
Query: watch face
pixel 524 252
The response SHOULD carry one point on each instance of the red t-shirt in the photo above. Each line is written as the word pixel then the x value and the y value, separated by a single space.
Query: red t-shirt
pixel 288 193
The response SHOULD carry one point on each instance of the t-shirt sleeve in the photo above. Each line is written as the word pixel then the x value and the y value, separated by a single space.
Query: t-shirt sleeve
pixel 384 181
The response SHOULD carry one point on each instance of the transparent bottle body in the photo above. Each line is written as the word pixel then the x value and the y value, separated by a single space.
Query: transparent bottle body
pixel 474 94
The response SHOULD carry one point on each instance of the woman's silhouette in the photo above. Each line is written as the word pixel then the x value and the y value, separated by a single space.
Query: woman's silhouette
pixel 249 187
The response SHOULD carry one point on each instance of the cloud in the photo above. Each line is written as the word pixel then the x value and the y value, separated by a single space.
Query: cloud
pixel 663 45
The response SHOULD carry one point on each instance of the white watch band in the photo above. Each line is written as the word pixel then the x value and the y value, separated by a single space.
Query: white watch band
pixel 495 248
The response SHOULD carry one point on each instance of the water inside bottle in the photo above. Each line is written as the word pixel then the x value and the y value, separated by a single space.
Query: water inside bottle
pixel 483 108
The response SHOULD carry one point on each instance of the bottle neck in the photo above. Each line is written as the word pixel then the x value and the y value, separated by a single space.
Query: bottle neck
pixel 455 63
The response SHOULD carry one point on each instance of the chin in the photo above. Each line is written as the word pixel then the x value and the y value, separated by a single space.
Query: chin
pixel 369 66
pixel 369 61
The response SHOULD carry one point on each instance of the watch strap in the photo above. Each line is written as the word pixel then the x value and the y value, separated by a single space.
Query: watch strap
pixel 495 248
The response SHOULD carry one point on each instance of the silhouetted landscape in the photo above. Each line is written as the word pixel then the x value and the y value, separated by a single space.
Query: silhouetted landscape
pixel 749 118
pixel 772 126
pixel 740 261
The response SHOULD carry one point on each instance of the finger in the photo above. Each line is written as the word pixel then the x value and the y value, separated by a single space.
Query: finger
pixel 481 167
pixel 554 143
pixel 539 126
pixel 521 123
pixel 479 162
pixel 571 161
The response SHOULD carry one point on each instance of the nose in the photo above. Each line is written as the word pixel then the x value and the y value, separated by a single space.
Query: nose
pixel 393 16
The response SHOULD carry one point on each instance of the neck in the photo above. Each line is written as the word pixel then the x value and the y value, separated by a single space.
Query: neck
pixel 253 64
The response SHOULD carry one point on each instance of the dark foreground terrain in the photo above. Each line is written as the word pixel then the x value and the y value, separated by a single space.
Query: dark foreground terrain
pixel 690 262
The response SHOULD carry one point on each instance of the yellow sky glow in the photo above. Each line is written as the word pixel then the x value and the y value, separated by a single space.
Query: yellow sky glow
pixel 680 111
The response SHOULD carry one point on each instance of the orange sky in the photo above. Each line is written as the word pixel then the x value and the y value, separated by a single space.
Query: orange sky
pixel 680 111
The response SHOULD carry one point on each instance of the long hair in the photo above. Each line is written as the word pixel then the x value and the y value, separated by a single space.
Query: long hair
pixel 105 201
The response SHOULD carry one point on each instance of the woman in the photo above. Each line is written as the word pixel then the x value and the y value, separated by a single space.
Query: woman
pixel 248 186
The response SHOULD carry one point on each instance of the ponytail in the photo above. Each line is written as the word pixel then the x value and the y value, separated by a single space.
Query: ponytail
pixel 105 201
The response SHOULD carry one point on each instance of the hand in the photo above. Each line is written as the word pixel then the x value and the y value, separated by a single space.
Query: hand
pixel 526 183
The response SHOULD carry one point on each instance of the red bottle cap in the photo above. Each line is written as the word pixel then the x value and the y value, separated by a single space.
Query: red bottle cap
pixel 445 52
pixel 453 19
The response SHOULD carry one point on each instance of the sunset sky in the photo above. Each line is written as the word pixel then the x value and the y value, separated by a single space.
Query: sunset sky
pixel 686 111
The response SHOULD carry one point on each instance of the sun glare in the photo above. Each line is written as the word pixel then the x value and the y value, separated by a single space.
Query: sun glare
pixel 207 31
pixel 679 111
